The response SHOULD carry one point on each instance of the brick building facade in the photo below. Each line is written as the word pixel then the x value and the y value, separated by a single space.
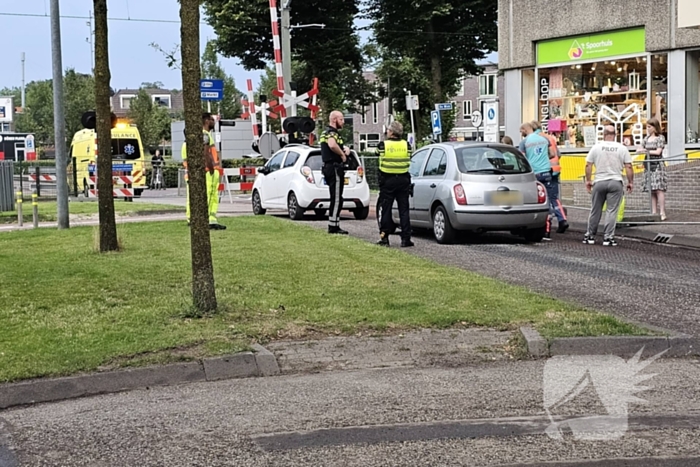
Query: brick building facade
pixel 369 125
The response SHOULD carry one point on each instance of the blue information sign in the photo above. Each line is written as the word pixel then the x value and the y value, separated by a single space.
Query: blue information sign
pixel 211 89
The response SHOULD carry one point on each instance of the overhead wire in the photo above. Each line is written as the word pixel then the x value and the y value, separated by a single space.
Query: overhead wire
pixel 177 21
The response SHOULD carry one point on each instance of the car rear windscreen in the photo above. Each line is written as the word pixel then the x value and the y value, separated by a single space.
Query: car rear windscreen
pixel 125 148
pixel 491 160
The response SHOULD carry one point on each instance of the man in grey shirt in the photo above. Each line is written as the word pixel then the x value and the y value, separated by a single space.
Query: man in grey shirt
pixel 609 158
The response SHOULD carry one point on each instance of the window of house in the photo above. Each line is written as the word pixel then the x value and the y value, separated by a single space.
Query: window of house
pixel 460 91
pixel 372 140
pixel 467 110
pixel 375 113
pixel 125 101
pixel 487 85
pixel 163 101
pixel 363 115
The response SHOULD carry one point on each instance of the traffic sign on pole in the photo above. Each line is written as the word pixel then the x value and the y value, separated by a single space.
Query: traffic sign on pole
pixel 211 89
pixel 476 118
pixel 412 102
pixel 436 122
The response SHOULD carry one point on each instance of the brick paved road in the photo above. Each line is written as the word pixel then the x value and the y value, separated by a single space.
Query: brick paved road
pixel 654 284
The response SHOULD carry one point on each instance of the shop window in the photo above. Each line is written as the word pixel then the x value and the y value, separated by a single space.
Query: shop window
pixel 487 85
pixel 573 100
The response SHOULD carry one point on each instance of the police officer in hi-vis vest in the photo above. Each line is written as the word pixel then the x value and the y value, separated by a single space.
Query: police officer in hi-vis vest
pixel 394 183
pixel 334 155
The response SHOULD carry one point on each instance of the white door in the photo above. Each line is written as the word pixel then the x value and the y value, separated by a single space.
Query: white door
pixel 269 189
pixel 285 176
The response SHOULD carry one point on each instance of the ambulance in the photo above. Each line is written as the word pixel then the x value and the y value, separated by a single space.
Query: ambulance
pixel 128 160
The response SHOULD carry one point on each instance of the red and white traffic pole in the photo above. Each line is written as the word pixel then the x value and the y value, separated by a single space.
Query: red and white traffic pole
pixel 278 50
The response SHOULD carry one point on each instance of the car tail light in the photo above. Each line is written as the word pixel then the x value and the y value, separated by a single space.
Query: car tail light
pixel 306 172
pixel 460 195
pixel 360 174
pixel 541 194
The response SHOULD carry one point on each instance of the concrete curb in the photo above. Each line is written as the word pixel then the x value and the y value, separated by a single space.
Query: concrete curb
pixel 631 232
pixel 241 365
pixel 623 346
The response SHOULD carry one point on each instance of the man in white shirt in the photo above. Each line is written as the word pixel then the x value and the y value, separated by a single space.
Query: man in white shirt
pixel 609 158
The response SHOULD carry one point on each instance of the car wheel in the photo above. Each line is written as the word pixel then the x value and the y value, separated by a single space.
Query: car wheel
pixel 257 204
pixel 442 228
pixel 320 213
pixel 295 211
pixel 535 235
pixel 361 213
pixel 378 211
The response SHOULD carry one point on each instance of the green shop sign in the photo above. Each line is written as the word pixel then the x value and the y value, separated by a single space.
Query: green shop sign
pixel 591 47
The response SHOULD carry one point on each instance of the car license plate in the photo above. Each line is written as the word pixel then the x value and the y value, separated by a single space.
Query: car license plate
pixel 503 198
pixel 347 181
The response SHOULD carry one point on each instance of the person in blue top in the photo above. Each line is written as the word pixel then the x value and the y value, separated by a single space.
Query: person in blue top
pixel 536 149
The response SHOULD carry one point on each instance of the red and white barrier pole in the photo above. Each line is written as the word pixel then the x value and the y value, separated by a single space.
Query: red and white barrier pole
pixel 278 50
pixel 251 110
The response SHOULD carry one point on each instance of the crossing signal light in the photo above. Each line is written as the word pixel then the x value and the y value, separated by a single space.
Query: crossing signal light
pixel 89 120
pixel 299 125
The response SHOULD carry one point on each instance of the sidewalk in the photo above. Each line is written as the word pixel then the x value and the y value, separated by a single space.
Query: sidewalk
pixel 670 232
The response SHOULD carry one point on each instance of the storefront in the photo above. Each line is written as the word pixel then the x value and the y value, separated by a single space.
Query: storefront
pixel 575 76
pixel 586 82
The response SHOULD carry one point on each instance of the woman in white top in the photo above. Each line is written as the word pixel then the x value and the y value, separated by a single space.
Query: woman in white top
pixel 654 167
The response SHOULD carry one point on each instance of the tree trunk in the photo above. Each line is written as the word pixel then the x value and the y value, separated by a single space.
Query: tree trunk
pixel 203 289
pixel 103 109
pixel 435 69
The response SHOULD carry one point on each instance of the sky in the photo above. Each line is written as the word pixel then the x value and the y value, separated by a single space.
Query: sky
pixel 132 60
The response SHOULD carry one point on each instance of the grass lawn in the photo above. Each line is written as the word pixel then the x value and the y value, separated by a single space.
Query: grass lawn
pixel 67 309
pixel 47 210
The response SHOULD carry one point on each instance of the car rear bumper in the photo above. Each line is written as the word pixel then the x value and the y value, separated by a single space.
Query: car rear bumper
pixel 499 219
pixel 348 203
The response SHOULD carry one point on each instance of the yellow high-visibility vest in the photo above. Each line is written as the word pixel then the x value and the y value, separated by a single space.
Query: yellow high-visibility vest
pixel 395 159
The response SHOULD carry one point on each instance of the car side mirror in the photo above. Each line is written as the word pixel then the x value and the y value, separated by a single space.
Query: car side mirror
pixel 264 170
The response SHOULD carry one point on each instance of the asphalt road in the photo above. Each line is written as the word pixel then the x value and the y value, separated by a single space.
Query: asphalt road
pixel 488 414
pixel 648 283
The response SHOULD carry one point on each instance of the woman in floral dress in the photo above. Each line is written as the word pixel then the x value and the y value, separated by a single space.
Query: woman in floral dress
pixel 654 167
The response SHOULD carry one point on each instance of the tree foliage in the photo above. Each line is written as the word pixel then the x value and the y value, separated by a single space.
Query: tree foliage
pixel 429 45
pixel 331 54
pixel 37 118
pixel 152 120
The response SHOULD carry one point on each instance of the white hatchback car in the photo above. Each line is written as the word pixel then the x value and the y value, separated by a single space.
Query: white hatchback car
pixel 292 180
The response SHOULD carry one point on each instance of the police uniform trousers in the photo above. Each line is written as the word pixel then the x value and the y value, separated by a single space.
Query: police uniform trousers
pixel 334 173
pixel 395 187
